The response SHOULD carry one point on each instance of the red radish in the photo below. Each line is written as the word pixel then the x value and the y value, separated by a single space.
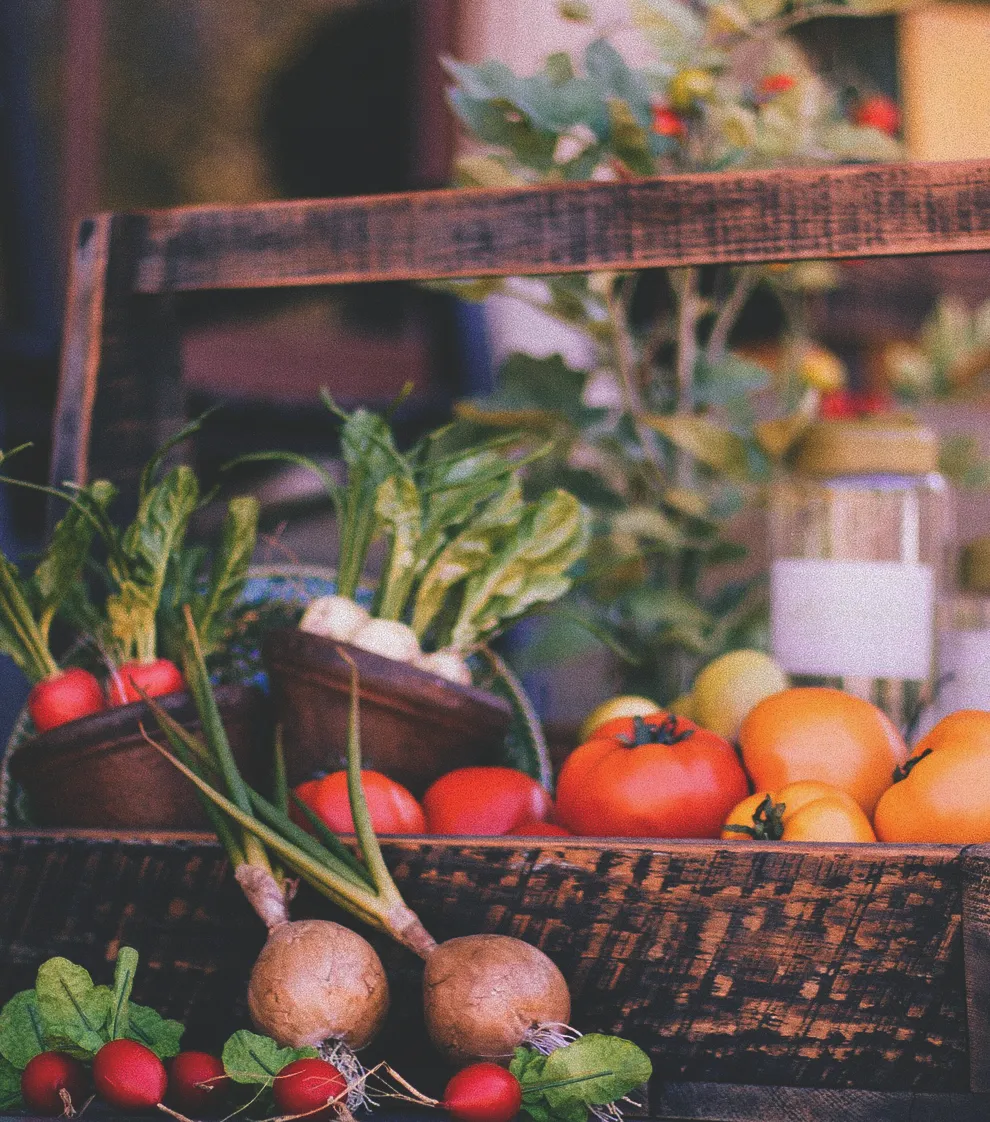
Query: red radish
pixel 46 1077
pixel 483 1093
pixel 484 801
pixel 64 697
pixel 156 678
pixel 304 1086
pixel 129 1076
pixel 393 809
pixel 196 1082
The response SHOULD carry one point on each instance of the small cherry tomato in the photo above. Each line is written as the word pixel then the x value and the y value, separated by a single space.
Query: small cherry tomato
pixel 878 112
pixel 668 122
pixel 392 807
pixel 156 678
pixel 67 696
pixel 802 811
pixel 487 801
pixel 772 84
pixel 671 779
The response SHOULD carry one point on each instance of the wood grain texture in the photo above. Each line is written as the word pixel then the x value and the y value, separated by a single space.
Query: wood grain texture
pixel 847 211
pixel 976 949
pixel 776 964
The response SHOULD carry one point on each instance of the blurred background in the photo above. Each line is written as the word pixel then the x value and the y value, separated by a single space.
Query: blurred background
pixel 132 104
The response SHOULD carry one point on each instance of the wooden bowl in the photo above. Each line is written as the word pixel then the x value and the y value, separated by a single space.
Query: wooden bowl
pixel 99 771
pixel 415 726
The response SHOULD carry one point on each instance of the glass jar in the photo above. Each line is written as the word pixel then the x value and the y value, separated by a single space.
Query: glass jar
pixel 963 646
pixel 859 536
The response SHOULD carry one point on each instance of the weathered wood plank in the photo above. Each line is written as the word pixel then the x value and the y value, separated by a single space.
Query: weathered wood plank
pixel 715 1102
pixel 847 211
pixel 816 966
pixel 976 950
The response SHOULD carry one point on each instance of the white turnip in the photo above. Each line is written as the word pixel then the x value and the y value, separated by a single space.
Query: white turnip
pixel 389 638
pixel 334 617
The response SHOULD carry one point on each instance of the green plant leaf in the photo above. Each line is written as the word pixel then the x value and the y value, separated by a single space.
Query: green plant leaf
pixel 10 1085
pixel 228 574
pixel 123 983
pixel 73 1010
pixel 400 514
pixel 628 1066
pixel 22 1031
pixel 705 441
pixel 154 1031
pixel 250 1058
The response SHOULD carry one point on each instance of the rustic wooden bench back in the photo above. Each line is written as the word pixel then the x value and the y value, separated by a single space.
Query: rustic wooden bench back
pixel 120 331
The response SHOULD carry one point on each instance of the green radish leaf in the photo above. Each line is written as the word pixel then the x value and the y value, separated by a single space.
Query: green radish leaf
pixel 85 1032
pixel 536 1108
pixel 250 1058
pixel 628 1067
pixel 229 572
pixel 398 509
pixel 123 982
pixel 149 1028
pixel 10 1085
pixel 22 1032
pixel 527 1065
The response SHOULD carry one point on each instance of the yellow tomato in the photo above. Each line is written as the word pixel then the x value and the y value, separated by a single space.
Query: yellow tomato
pixel 802 811
pixel 822 370
pixel 690 86
pixel 625 705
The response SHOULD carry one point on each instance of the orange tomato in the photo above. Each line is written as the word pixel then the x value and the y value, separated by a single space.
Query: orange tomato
pixel 943 795
pixel 814 732
pixel 802 811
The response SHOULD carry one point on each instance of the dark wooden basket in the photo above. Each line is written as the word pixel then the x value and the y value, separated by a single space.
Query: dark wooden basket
pixel 767 980
pixel 100 771
pixel 415 726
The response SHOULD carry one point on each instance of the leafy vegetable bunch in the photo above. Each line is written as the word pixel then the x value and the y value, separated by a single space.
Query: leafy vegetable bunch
pixel 464 551
pixel 668 432
pixel 119 591
pixel 67 1012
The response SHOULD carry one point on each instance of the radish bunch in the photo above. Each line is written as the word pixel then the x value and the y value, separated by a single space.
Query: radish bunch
pixel 485 996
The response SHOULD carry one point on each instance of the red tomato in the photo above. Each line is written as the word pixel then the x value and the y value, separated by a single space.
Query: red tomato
pixel 392 808
pixel 624 728
pixel 73 693
pixel 878 112
pixel 156 678
pixel 674 780
pixel 540 830
pixel 668 122
pixel 487 801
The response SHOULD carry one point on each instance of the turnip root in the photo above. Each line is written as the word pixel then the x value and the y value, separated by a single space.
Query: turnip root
pixel 483 994
pixel 334 617
pixel 314 981
pixel 446 664
pixel 389 638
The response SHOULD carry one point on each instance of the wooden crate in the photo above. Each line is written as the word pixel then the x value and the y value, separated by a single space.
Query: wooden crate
pixel 768 981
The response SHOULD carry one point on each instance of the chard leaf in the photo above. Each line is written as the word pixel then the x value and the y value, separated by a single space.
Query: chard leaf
pixel 73 1010
pixel 250 1058
pixel 22 1033
pixel 397 506
pixel 61 564
pixel 228 574
pixel 616 1067
pixel 10 1085
pixel 123 983
pixel 531 568
pixel 467 553
pixel 149 1028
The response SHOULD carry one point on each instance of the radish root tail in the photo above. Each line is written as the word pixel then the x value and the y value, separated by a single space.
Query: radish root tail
pixel 548 1038
pixel 357 1096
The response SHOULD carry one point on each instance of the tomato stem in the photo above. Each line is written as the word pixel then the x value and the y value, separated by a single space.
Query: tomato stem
pixel 902 771
pixel 664 733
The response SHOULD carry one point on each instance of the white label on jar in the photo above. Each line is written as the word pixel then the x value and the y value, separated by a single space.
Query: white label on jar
pixel 869 619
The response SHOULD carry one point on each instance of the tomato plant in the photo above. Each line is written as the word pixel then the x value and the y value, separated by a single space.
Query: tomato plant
pixel 940 794
pixel 815 732
pixel 393 808
pixel 669 779
pixel 802 811
pixel 484 800
pixel 65 697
